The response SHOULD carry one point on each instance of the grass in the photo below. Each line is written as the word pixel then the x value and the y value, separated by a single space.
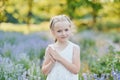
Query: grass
pixel 24 28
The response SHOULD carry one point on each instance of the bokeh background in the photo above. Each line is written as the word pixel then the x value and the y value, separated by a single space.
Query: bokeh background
pixel 24 35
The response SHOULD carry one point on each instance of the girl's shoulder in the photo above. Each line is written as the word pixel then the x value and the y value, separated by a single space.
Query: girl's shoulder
pixel 51 45
pixel 75 45
pixel 47 48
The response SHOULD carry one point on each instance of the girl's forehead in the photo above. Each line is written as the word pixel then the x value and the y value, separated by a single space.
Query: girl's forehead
pixel 62 24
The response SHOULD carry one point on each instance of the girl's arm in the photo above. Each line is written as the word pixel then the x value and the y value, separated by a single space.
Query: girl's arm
pixel 73 67
pixel 48 63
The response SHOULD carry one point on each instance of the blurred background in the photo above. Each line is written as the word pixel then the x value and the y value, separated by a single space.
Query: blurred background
pixel 24 35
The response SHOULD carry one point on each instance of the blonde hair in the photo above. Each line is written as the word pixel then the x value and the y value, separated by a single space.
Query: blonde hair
pixel 59 18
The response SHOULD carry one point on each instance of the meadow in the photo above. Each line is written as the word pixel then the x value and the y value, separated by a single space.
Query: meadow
pixel 22 54
pixel 24 36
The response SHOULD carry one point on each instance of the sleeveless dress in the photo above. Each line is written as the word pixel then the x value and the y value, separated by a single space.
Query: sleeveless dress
pixel 59 72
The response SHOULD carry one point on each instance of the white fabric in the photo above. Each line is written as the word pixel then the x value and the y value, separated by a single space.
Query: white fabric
pixel 59 72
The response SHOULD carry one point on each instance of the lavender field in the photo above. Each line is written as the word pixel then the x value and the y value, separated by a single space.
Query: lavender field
pixel 21 55
pixel 24 36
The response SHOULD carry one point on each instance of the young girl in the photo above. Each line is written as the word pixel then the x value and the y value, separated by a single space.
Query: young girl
pixel 62 58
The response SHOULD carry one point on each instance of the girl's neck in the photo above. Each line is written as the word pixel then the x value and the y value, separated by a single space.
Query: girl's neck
pixel 62 43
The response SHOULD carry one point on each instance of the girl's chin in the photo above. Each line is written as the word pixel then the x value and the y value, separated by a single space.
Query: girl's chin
pixel 64 40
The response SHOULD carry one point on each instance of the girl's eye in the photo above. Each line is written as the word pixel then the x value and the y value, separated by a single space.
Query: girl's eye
pixel 59 31
pixel 66 29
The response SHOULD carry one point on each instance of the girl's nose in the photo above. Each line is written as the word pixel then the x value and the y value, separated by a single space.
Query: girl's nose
pixel 63 33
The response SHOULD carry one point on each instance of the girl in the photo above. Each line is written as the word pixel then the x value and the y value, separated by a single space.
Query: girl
pixel 62 58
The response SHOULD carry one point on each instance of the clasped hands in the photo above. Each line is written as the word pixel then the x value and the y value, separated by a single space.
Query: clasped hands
pixel 53 54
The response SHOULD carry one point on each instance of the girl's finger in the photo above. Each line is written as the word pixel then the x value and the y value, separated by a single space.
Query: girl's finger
pixel 52 59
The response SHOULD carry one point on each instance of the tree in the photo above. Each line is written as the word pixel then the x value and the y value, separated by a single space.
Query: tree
pixel 71 7
pixel 29 15
pixel 2 10
pixel 94 5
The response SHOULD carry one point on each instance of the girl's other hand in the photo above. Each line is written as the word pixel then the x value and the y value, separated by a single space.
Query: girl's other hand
pixel 54 54
pixel 51 58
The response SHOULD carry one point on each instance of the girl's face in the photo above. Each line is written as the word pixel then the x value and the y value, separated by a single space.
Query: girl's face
pixel 61 31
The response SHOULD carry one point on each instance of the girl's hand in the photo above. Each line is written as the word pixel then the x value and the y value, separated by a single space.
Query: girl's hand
pixel 54 54
pixel 51 58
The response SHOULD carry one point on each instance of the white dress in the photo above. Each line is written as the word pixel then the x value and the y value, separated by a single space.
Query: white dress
pixel 59 72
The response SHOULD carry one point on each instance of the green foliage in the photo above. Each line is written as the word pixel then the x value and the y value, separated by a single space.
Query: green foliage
pixel 25 62
pixel 86 42
pixel 2 10
pixel 88 49
pixel 41 54
pixel 116 39
pixel 106 63
pixel 34 71
pixel 31 54
pixel 71 7
pixel 107 26
pixel 11 40
pixel 36 11
pixel 9 70
pixel 10 18
pixel 7 53
pixel 1 43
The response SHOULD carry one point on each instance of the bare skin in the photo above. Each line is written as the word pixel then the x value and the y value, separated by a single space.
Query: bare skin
pixel 48 62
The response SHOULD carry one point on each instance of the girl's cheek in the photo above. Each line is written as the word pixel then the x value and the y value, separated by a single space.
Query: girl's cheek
pixel 69 33
pixel 59 33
